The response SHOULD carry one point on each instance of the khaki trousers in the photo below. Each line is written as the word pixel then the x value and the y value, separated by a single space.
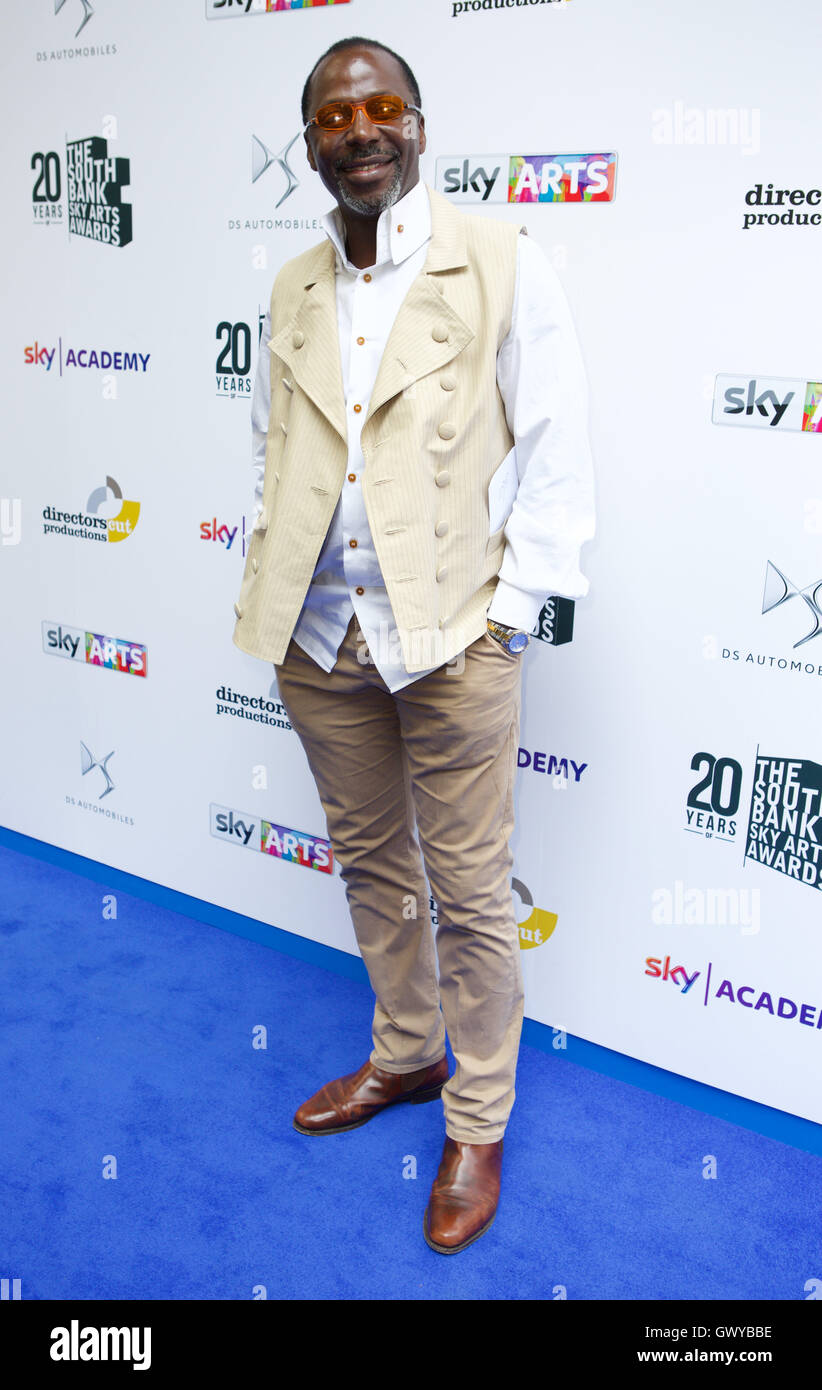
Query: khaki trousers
pixel 440 752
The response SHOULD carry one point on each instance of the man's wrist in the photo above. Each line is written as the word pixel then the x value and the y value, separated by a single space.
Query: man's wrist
pixel 513 639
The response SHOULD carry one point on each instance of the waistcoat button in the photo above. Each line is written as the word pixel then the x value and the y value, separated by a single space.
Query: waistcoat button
pixel 298 339
pixel 443 478
pixel 238 611
pixel 440 332
pixel 255 564
pixel 441 573
pixel 447 430
pixel 441 528
pixel 447 381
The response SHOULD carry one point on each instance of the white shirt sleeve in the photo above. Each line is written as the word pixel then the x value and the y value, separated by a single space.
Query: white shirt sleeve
pixel 542 382
pixel 260 410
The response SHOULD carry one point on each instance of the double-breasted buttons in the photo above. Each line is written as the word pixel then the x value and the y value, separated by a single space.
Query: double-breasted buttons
pixel 289 385
pixel 440 332
pixel 298 338
pixel 447 381
pixel 443 478
pixel 238 610
pixel 441 528
pixel 255 564
pixel 283 427
pixel 447 430
pixel 261 524
pixel 442 573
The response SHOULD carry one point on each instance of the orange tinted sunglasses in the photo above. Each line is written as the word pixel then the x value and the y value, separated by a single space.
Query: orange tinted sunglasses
pixel 380 110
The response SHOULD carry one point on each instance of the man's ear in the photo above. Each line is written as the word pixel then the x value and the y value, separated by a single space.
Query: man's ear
pixel 422 134
pixel 309 152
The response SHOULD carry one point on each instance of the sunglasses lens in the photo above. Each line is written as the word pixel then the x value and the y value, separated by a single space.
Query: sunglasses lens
pixel 383 108
pixel 336 116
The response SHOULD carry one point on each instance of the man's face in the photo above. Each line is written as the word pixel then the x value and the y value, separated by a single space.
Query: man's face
pixel 367 167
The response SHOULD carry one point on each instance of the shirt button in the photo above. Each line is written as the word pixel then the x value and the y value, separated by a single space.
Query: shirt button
pixel 352 477
pixel 447 430
pixel 360 589
pixel 401 228
pixel 298 339
pixel 367 279
pixel 353 545
pixel 441 528
pixel 361 341
pixel 443 478
pixel 447 381
pixel 441 573
pixel 357 409
pixel 440 332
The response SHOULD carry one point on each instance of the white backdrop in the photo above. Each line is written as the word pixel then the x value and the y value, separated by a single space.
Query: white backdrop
pixel 127 372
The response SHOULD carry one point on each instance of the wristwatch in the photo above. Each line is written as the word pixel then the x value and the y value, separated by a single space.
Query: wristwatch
pixel 511 638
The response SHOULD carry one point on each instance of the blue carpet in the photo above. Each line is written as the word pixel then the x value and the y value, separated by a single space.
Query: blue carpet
pixel 130 1040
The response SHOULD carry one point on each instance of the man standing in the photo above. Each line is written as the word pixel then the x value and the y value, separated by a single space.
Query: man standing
pixel 424 482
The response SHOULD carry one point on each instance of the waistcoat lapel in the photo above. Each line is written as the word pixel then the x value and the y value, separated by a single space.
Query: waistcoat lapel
pixel 427 332
pixel 309 343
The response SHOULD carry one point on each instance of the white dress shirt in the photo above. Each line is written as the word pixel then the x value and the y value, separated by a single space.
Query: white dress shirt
pixel 542 382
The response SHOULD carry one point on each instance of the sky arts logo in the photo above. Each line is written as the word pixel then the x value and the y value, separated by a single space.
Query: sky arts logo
pixel 95 181
pixel 768 403
pixel 94 524
pixel 527 178
pixel 238 9
pixel 95 649
pixel 85 358
pixel 253 832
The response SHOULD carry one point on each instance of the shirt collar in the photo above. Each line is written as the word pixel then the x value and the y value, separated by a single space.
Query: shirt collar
pixel 412 213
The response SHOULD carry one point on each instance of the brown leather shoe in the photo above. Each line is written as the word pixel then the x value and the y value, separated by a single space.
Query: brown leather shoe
pixel 464 1197
pixel 353 1100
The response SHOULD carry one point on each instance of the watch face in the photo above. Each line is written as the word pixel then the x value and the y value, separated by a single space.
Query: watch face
pixel 518 642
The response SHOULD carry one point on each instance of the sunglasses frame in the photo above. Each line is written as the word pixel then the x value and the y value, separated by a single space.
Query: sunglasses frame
pixel 360 106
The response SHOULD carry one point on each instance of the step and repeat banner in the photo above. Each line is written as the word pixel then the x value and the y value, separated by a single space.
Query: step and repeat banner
pixel 668 849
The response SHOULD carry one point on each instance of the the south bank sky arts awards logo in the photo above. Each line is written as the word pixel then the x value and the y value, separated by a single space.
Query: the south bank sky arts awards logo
pixel 527 178
pixel 784 825
pixel 240 9
pixel 85 192
pixel 108 516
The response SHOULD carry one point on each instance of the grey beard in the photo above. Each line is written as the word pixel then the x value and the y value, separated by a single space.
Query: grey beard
pixel 372 207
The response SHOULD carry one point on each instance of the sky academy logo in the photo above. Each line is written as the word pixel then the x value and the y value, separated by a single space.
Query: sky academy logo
pixel 527 178
pixel 108 516
pixel 94 648
pixel 751 997
pixel 768 403
pixel 63 359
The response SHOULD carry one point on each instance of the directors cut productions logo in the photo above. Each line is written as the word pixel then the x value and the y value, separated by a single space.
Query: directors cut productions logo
pixel 238 9
pixel 768 403
pixel 280 841
pixel 94 648
pixel 90 526
pixel 527 178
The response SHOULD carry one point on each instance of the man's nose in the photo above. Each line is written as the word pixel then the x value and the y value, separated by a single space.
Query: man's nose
pixel 362 129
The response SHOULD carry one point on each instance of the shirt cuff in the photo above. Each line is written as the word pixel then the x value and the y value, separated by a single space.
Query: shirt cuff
pixel 514 607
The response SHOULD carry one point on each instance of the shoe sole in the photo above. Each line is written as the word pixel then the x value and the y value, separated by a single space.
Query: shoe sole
pixel 454 1249
pixel 414 1098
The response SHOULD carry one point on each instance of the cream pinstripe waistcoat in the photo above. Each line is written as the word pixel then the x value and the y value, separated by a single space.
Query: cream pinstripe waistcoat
pixel 434 434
